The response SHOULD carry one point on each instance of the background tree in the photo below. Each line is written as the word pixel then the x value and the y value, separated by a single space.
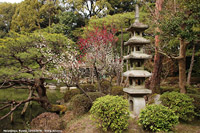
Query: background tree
pixel 121 6
pixel 31 15
pixel 180 19
pixel 7 10
pixel 89 8
pixel 157 67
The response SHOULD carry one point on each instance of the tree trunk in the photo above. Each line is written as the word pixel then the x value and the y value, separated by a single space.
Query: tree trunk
pixel 156 76
pixel 98 77
pixel 191 66
pixel 41 90
pixel 157 68
pixel 182 66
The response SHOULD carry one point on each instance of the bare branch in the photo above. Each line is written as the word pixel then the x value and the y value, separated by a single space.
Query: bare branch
pixel 18 104
pixel 8 105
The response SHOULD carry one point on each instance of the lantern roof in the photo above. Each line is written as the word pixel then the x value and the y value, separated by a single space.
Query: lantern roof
pixel 137 26
pixel 137 73
pixel 137 40
pixel 136 90
pixel 137 55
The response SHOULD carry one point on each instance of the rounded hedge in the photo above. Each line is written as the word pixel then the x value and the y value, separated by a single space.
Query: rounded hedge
pixel 70 93
pixel 81 104
pixel 180 103
pixel 105 86
pixel 117 90
pixel 88 87
pixel 111 112
pixel 157 118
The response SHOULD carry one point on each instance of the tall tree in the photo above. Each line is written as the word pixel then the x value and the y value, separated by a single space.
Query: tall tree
pixel 7 10
pixel 157 69
pixel 34 14
pixel 120 6
pixel 180 19
pixel 89 8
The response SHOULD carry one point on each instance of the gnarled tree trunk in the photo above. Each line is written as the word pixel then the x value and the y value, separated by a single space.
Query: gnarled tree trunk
pixel 41 90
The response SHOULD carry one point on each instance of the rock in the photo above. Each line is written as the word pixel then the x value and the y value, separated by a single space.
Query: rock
pixel 154 99
pixel 71 88
pixel 52 87
pixel 63 88
pixel 46 121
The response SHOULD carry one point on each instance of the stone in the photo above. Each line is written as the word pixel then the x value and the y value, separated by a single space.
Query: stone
pixel 137 91
pixel 63 88
pixel 137 40
pixel 52 87
pixel 137 73
pixel 135 70
pixel 136 104
pixel 154 99
pixel 71 88
pixel 137 56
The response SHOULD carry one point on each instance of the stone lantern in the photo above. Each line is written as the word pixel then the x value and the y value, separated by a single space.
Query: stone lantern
pixel 135 66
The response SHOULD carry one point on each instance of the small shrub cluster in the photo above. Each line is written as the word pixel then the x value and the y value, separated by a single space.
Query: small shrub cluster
pixel 196 103
pixel 70 93
pixel 164 89
pixel 180 103
pixel 111 112
pixel 157 118
pixel 88 87
pixel 117 90
pixel 105 86
pixel 81 104
pixel 46 121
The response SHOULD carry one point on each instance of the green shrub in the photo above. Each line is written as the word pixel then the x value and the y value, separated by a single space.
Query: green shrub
pixel 196 103
pixel 105 86
pixel 157 118
pixel 88 88
pixel 182 104
pixel 164 89
pixel 70 93
pixel 111 112
pixel 81 104
pixel 117 90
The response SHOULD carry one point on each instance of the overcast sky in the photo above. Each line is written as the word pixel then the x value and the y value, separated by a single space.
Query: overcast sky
pixel 11 1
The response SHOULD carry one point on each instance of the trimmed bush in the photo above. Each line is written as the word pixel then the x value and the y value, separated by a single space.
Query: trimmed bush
pixel 196 103
pixel 111 112
pixel 81 104
pixel 180 103
pixel 70 93
pixel 88 87
pixel 157 118
pixel 164 89
pixel 117 90
pixel 105 86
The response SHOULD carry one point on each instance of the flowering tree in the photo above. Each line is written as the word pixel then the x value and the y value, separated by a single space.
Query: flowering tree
pixel 97 50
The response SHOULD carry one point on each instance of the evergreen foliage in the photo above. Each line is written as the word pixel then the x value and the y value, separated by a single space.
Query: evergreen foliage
pixel 111 112
pixel 157 118
pixel 180 103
